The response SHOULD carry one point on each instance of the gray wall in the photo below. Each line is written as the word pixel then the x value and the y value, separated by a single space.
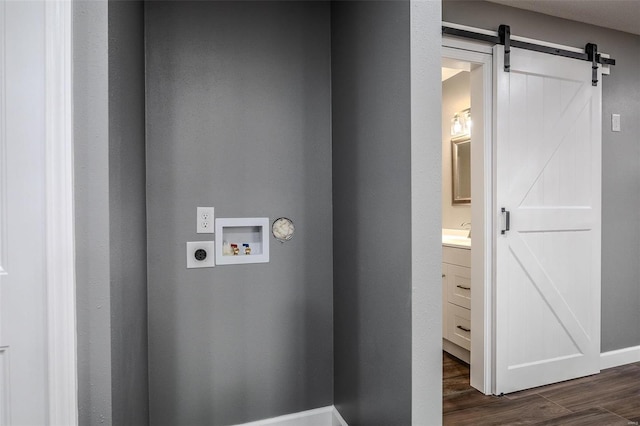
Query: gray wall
pixel 456 96
pixel 110 213
pixel 238 117
pixel 621 152
pixel 372 211
pixel 91 191
pixel 127 214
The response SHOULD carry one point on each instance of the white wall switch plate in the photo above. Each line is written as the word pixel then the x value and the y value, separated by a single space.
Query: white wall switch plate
pixel 205 220
pixel 615 122
pixel 201 254
pixel 606 69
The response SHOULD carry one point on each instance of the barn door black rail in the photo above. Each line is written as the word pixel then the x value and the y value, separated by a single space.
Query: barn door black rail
pixel 504 38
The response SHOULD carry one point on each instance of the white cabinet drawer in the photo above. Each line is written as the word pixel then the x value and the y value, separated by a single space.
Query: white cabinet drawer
pixel 459 324
pixel 459 285
pixel 456 256
pixel 456 287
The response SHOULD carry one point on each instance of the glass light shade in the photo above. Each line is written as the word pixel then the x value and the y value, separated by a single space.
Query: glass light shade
pixel 456 125
pixel 461 123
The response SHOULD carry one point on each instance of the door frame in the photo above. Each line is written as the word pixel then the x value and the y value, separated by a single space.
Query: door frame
pixel 482 188
pixel 59 226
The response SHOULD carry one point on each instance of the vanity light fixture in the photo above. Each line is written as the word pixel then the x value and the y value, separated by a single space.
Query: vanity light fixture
pixel 461 123
pixel 467 121
pixel 456 126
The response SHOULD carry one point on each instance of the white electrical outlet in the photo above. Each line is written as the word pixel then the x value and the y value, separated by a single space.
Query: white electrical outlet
pixel 201 254
pixel 615 122
pixel 205 220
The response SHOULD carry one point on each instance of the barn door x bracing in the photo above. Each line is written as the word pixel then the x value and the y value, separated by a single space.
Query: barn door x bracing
pixel 548 180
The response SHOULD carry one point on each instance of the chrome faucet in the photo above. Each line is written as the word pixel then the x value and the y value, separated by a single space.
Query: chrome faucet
pixel 464 226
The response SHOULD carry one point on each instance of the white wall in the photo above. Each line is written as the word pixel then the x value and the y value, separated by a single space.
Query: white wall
pixel 426 250
pixel 23 311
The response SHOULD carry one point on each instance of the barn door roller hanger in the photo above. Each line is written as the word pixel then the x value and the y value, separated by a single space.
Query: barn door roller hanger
pixel 590 54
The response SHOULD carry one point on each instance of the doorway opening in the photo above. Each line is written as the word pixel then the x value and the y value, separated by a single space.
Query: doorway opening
pixel 466 209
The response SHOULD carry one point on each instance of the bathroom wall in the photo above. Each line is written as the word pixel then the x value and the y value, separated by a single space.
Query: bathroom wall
pixel 620 151
pixel 372 211
pixel 456 96
pixel 238 117
pixel 110 225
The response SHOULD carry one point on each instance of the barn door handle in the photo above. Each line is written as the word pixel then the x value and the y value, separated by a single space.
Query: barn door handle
pixel 507 220
pixel 463 329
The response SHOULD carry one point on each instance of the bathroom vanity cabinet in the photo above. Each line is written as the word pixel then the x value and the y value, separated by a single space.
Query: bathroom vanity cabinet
pixel 456 306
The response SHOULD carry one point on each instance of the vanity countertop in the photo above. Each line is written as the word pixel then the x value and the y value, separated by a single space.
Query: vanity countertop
pixel 456 238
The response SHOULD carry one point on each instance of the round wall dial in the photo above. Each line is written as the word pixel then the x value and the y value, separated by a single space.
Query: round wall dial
pixel 282 229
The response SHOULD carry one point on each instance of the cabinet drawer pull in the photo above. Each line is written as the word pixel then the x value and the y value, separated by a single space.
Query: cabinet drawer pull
pixel 444 275
pixel 463 287
pixel 468 330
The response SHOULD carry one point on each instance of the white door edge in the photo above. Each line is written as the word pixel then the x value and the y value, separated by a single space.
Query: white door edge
pixel 60 265
pixel 481 213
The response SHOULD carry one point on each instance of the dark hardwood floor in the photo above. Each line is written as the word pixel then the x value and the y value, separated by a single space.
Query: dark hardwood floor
pixel 609 398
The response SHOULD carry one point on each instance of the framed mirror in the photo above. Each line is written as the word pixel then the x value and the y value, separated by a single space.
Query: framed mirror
pixel 461 169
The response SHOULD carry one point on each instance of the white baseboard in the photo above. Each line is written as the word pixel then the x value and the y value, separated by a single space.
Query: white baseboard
pixel 325 416
pixel 619 357
pixel 338 420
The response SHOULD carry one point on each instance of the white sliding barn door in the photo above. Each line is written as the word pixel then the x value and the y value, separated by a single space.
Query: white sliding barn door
pixel 548 177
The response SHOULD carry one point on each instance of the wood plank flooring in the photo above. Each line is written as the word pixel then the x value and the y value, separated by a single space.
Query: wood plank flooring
pixel 609 398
